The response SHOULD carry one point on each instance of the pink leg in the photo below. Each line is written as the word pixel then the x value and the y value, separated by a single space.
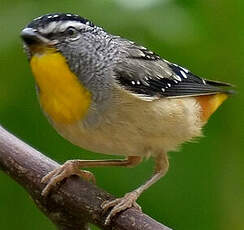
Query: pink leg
pixel 129 200
pixel 72 167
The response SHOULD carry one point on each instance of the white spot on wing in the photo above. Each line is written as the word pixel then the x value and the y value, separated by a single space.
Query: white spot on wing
pixel 183 74
pixel 186 70
pixel 166 71
pixel 142 54
pixel 145 97
pixel 177 78
pixel 142 48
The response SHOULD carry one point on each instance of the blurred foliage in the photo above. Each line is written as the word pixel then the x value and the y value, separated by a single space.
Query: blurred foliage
pixel 204 188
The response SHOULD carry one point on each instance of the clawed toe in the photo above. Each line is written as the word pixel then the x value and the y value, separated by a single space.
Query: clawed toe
pixel 52 178
pixel 120 204
pixel 62 172
pixel 46 178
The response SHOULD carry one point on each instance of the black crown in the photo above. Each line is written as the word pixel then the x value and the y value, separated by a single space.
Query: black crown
pixel 56 17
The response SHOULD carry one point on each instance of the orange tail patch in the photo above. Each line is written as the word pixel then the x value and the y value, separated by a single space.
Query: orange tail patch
pixel 209 104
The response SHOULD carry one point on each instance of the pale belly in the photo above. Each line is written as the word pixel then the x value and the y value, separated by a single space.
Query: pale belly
pixel 139 128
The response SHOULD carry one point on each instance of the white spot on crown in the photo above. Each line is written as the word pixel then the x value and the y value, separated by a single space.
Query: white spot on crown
pixel 37 18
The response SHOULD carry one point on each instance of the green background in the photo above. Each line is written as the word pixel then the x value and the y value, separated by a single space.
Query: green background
pixel 204 188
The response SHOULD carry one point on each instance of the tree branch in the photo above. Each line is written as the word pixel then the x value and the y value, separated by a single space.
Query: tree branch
pixel 72 205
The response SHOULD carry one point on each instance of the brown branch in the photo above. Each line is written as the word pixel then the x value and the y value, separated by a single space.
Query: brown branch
pixel 75 203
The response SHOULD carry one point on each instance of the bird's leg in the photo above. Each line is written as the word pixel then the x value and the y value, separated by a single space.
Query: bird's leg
pixel 129 200
pixel 73 167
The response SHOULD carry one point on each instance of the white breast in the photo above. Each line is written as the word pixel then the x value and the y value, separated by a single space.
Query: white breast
pixel 136 127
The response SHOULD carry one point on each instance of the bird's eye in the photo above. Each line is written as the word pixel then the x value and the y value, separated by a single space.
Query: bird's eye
pixel 72 33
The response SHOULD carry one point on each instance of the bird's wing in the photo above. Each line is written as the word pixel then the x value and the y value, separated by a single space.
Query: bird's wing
pixel 145 74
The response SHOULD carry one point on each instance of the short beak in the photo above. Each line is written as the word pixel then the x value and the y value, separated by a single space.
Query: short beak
pixel 32 37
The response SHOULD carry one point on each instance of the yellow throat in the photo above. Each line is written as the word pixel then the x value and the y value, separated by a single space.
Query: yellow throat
pixel 62 96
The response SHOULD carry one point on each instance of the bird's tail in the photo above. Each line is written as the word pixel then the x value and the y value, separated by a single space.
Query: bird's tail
pixel 210 103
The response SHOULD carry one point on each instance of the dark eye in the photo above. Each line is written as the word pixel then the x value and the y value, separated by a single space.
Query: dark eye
pixel 72 33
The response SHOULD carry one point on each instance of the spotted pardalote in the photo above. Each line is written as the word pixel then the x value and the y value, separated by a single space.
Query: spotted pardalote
pixel 109 95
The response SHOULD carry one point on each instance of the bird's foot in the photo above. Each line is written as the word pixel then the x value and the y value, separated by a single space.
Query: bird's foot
pixel 64 171
pixel 120 204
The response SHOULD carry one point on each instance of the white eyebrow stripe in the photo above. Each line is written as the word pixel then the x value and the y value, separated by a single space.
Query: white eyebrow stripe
pixel 76 24
pixel 61 26
pixel 49 28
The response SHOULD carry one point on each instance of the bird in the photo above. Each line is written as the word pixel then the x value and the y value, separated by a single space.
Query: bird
pixel 110 95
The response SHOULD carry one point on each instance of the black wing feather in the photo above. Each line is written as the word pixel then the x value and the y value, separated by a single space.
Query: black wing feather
pixel 148 75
